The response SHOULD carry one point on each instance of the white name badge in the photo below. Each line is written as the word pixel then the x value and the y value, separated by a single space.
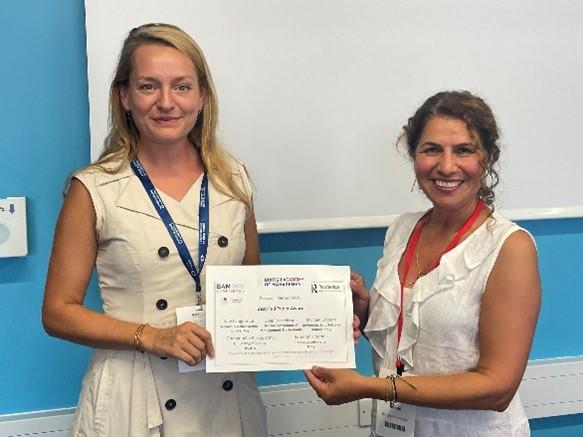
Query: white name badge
pixel 397 420
pixel 195 314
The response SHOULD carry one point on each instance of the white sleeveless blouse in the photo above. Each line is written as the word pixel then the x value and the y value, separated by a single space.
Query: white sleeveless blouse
pixel 440 329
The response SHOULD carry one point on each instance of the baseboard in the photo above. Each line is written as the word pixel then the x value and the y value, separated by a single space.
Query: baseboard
pixel 48 423
pixel 552 387
pixel 294 409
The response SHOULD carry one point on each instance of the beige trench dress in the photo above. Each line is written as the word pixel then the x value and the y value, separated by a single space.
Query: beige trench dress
pixel 142 279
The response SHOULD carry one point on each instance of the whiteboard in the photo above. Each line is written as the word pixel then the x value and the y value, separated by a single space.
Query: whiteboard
pixel 312 95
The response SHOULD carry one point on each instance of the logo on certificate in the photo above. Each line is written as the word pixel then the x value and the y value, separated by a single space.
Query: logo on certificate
pixel 327 287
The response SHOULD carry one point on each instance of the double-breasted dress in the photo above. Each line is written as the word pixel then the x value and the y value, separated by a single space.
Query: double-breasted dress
pixel 142 279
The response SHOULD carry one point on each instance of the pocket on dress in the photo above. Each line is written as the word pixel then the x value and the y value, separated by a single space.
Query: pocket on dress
pixel 227 233
pixel 94 407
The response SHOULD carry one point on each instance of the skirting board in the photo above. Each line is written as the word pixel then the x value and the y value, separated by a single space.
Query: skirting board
pixel 550 387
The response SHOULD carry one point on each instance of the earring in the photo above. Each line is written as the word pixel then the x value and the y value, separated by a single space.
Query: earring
pixel 129 119
pixel 413 184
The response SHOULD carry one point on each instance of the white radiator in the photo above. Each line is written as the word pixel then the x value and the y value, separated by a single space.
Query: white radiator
pixel 551 387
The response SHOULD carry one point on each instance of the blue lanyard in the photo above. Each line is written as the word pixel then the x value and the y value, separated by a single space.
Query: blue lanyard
pixel 203 224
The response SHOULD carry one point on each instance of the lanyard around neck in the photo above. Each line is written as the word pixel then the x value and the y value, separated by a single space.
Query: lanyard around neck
pixel 410 251
pixel 203 224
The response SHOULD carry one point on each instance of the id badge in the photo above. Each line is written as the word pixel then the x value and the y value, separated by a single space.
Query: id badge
pixel 394 421
pixel 195 314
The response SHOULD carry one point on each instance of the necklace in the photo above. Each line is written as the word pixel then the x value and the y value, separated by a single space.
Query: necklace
pixel 420 271
pixel 414 245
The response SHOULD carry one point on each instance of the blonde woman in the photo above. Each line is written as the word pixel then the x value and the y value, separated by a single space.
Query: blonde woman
pixel 162 201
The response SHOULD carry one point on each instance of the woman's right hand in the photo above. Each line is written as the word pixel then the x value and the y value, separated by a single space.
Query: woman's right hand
pixel 188 342
pixel 338 386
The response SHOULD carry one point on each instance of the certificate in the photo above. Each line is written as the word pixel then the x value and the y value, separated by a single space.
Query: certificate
pixel 279 317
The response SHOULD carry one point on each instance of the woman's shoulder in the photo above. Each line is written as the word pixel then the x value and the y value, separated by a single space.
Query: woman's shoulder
pixel 236 166
pixel 516 239
pixel 497 233
pixel 397 235
pixel 104 172
pixel 407 218
pixel 402 226
pixel 504 228
pixel 239 173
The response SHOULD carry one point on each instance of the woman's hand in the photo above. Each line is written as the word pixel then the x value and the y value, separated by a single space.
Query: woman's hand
pixel 337 386
pixel 188 342
pixel 359 290
pixel 356 333
pixel 360 299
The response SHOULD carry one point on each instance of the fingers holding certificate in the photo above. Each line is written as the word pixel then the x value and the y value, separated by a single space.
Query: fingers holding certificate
pixel 279 317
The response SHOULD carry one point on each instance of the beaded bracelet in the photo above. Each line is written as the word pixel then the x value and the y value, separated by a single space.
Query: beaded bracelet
pixel 137 336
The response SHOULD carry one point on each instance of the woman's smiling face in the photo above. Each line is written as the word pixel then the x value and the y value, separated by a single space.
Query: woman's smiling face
pixel 163 94
pixel 448 163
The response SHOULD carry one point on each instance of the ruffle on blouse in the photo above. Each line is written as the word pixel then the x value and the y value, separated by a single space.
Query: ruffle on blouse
pixel 385 294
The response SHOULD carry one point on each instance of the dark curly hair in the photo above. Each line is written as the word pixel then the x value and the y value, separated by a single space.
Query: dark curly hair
pixel 481 124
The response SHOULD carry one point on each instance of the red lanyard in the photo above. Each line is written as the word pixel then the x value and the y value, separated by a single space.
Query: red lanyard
pixel 410 251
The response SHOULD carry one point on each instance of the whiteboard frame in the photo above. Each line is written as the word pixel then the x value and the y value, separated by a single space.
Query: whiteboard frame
pixel 383 221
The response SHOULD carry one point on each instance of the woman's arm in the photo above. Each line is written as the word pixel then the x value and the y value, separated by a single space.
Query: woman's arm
pixel 251 256
pixel 509 311
pixel 70 267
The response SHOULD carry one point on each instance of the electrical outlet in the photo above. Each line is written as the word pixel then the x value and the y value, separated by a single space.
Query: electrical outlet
pixel 364 411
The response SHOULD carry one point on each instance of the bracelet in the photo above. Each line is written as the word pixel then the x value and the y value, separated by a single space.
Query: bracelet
pixel 392 388
pixel 394 385
pixel 391 395
pixel 137 336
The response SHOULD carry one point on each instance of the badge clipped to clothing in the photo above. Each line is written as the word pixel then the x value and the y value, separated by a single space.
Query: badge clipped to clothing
pixel 195 314
pixel 394 418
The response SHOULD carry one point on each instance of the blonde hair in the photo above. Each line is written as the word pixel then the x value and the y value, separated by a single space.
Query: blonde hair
pixel 122 139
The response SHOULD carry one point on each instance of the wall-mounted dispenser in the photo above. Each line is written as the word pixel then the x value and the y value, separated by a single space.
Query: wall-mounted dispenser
pixel 13 237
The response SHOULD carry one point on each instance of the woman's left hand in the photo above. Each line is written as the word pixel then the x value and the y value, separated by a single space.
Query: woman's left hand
pixel 356 333
pixel 360 300
pixel 337 386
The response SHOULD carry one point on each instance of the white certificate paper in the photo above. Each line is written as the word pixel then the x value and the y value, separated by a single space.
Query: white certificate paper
pixel 279 317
